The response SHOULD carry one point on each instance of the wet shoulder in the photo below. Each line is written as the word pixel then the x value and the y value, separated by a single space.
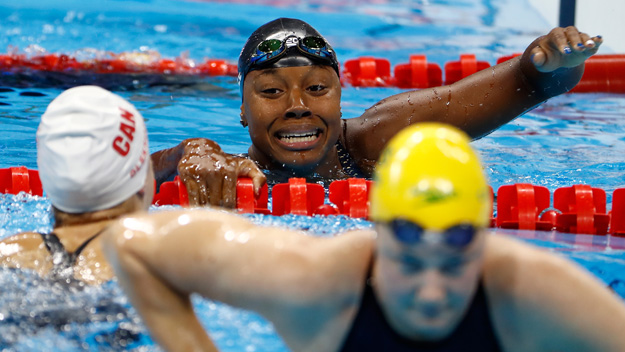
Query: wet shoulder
pixel 21 243
pixel 25 251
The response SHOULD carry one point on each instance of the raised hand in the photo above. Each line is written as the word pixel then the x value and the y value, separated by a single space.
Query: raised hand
pixel 563 47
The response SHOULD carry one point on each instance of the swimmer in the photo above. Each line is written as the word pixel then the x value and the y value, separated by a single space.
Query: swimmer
pixel 428 278
pixel 93 161
pixel 291 94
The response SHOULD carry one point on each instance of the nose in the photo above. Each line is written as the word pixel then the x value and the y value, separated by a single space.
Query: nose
pixel 432 290
pixel 297 107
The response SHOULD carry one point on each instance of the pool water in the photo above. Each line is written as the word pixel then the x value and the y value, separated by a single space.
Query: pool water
pixel 572 139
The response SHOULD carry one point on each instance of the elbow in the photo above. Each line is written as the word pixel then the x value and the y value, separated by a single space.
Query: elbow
pixel 121 244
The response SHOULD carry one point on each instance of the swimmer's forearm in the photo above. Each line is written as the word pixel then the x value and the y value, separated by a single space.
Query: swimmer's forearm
pixel 169 316
pixel 165 162
pixel 166 312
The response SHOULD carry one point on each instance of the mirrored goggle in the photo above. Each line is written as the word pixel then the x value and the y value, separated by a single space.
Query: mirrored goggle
pixel 271 50
pixel 457 236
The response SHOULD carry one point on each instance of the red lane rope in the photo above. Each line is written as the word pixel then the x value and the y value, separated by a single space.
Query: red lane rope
pixel 603 73
pixel 579 209
pixel 123 63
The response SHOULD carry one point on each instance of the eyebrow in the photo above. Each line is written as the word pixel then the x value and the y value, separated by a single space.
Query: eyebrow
pixel 267 71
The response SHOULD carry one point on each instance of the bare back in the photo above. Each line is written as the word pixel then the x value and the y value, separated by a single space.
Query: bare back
pixel 79 244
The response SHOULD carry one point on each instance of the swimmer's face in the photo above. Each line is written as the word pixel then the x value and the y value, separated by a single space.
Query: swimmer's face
pixel 425 288
pixel 293 115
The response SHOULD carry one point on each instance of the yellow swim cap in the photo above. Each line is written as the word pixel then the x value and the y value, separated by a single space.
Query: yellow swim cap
pixel 430 175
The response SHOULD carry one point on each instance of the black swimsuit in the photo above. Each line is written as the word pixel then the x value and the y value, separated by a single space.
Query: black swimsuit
pixel 371 332
pixel 347 163
pixel 63 261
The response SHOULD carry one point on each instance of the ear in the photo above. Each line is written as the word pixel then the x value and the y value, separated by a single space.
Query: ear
pixel 243 117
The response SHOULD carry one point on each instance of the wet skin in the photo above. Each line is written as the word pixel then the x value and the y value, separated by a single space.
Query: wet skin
pixel 425 289
pixel 294 118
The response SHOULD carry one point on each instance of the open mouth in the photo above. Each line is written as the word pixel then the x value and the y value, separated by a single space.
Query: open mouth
pixel 299 140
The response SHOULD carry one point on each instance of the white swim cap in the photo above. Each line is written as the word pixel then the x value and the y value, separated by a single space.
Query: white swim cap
pixel 92 150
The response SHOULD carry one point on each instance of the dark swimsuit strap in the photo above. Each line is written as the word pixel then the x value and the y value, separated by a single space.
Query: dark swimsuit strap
pixel 62 259
pixel 79 250
pixel 347 163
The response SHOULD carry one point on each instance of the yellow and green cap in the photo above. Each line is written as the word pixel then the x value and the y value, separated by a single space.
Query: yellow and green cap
pixel 430 175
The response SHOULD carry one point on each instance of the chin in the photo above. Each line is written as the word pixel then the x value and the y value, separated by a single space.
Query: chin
pixel 433 334
pixel 428 330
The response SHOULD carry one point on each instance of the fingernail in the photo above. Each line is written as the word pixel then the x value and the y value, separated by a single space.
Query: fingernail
pixel 580 45
pixel 598 36
pixel 590 42
pixel 567 50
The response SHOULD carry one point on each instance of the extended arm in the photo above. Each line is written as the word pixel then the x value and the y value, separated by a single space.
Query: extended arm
pixel 483 101
pixel 162 258
pixel 543 302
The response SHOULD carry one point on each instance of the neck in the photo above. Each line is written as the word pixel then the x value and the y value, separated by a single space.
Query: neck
pixel 63 219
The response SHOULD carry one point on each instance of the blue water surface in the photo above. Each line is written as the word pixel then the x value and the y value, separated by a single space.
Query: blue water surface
pixel 571 139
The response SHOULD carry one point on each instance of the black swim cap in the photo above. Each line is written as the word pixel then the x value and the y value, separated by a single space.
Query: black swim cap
pixel 281 29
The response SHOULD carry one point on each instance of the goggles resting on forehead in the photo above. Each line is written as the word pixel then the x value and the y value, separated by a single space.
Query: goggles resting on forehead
pixel 457 236
pixel 271 50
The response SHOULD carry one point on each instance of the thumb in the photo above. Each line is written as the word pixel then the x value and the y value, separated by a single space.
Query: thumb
pixel 538 57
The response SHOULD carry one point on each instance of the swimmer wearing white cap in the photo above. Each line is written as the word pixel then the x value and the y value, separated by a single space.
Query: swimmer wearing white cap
pixel 93 161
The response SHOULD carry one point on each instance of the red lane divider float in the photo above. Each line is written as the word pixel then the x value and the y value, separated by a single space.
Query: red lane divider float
pixel 583 210
pixel 617 216
pixel 297 197
pixel 172 193
pixel 368 72
pixel 418 73
pixel 603 73
pixel 466 66
pixel 520 205
pixel 351 196
pixel 579 209
pixel 20 179
pixel 247 202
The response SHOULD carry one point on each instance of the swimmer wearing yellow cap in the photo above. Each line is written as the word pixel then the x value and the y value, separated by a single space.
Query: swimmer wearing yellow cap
pixel 429 278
